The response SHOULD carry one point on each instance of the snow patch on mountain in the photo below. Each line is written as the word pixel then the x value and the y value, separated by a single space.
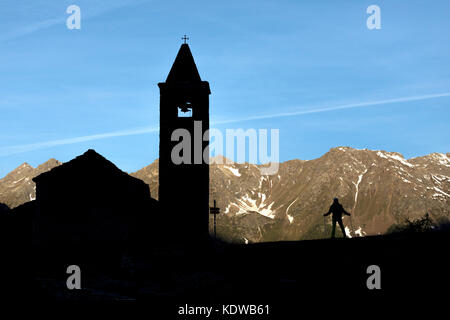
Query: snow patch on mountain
pixel 394 157
pixel 262 196
pixel 357 184
pixel 441 158
pixel 247 204
pixel 347 232
pixel 439 178
pixel 360 232
pixel 290 218
pixel 440 191
pixel 233 170
pixel 14 182
pixel 261 180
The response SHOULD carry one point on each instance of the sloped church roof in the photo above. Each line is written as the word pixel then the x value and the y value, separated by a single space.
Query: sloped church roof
pixel 89 164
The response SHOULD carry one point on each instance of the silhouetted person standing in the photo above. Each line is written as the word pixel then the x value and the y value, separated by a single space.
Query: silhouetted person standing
pixel 337 209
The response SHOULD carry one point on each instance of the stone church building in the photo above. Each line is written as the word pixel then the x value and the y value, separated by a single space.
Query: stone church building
pixel 87 207
pixel 89 210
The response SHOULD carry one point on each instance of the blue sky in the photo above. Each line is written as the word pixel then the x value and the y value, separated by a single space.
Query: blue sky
pixel 270 64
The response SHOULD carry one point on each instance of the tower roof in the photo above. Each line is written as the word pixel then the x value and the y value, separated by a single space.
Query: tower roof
pixel 184 68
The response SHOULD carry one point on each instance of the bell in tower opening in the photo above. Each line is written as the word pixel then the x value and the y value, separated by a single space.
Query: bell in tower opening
pixel 183 150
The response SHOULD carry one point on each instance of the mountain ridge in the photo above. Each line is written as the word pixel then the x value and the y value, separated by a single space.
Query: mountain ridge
pixel 379 188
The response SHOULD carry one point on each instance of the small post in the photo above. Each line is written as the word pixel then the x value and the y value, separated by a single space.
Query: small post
pixel 215 213
pixel 214 210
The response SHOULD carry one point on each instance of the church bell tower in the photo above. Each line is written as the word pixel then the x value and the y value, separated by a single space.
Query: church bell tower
pixel 184 186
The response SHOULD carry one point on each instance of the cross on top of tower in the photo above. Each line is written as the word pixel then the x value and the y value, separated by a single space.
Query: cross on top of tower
pixel 184 38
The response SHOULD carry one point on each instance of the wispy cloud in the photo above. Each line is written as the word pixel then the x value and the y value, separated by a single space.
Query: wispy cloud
pixel 30 28
pixel 94 11
pixel 340 107
pixel 136 131
pixel 47 144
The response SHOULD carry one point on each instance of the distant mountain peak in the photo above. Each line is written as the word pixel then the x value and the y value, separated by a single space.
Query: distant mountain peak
pixel 441 158
pixel 49 164
pixel 23 165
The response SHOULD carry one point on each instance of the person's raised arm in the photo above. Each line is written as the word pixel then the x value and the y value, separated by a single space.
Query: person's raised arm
pixel 328 213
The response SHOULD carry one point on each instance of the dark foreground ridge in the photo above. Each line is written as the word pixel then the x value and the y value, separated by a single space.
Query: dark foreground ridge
pixel 276 273
pixel 81 217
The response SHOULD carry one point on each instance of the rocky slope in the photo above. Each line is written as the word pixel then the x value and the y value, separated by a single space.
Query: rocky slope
pixel 17 187
pixel 379 188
